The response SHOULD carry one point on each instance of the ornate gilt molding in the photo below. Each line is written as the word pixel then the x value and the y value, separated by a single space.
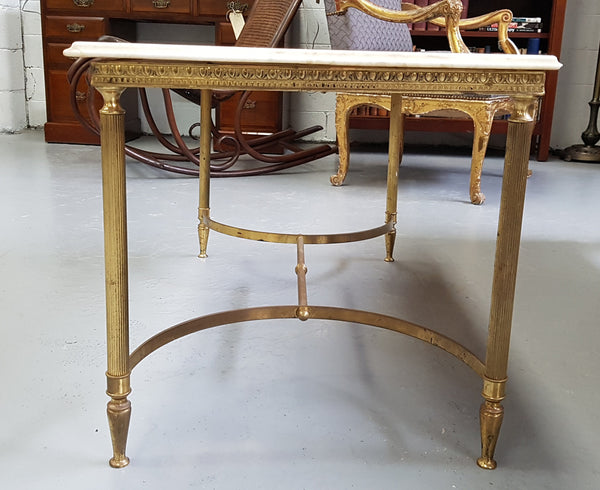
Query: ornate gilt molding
pixel 277 77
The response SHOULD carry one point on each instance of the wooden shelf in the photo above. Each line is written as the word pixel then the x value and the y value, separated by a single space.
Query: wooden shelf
pixel 481 34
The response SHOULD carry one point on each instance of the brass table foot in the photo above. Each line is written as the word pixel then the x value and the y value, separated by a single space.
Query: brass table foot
pixel 491 414
pixel 390 240
pixel 203 229
pixel 390 236
pixel 490 418
pixel 203 238
pixel 119 414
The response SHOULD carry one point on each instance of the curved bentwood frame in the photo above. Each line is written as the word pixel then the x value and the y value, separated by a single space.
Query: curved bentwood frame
pixel 119 66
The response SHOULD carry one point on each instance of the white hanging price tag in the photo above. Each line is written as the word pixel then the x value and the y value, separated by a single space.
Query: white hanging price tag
pixel 236 19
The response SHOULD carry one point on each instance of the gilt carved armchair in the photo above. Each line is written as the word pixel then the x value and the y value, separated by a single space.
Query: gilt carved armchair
pixel 360 24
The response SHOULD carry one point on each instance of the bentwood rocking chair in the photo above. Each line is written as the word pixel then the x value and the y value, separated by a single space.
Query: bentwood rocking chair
pixel 266 26
pixel 362 25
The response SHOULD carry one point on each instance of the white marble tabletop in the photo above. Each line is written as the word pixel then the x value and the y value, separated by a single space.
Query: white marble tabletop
pixel 314 57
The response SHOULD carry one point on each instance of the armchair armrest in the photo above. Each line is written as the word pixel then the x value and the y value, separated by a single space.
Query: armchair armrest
pixel 445 13
pixel 502 17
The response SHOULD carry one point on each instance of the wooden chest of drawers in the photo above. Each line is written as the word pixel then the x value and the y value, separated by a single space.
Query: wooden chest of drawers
pixel 66 21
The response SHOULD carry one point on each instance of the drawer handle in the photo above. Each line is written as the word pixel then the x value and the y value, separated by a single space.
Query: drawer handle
pixel 250 104
pixel 161 4
pixel 75 27
pixel 83 3
pixel 80 96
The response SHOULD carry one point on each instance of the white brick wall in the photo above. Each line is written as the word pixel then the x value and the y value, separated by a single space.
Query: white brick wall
pixel 34 63
pixel 12 80
pixel 309 31
pixel 187 114
pixel 576 78
pixel 22 84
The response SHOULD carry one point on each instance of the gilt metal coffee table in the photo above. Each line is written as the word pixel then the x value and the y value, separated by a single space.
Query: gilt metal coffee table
pixel 118 66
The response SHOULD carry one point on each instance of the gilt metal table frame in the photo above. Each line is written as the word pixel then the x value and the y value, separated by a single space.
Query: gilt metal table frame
pixel 120 66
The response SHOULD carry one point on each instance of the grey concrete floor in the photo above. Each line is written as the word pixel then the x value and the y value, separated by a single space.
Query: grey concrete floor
pixel 287 404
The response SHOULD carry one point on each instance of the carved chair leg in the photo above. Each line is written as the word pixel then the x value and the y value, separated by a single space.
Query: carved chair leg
pixel 482 123
pixel 344 105
pixel 342 122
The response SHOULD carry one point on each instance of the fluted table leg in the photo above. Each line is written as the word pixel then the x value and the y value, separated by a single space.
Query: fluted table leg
pixel 112 140
pixel 520 127
pixel 204 171
pixel 395 156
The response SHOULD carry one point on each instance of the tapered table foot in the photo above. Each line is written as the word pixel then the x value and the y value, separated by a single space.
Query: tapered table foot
pixel 490 418
pixel 119 414
pixel 203 229
pixel 390 240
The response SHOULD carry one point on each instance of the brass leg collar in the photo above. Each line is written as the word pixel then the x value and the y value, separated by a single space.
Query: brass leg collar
pixel 494 390
pixel 118 386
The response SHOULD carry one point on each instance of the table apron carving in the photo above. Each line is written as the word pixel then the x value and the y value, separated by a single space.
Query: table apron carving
pixel 301 78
